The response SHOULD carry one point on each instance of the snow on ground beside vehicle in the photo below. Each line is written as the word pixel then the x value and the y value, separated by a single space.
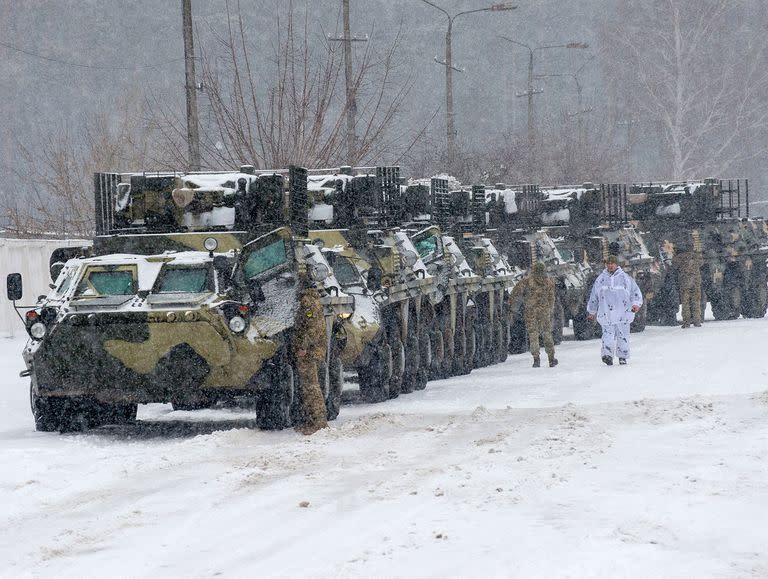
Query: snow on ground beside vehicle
pixel 659 469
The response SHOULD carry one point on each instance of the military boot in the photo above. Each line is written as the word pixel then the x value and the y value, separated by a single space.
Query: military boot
pixel 697 324
pixel 536 363
pixel 552 362
pixel 608 360
pixel 686 325
pixel 623 361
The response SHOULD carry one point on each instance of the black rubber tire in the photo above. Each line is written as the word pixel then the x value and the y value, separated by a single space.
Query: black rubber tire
pixel 558 321
pixel 375 377
pixel 638 324
pixel 204 401
pixel 48 411
pixel 411 373
pixel 518 336
pixel 335 387
pixel 437 343
pixel 276 405
pixel 398 368
pixel 118 413
pixel 583 329
pixel 756 302
pixel 460 358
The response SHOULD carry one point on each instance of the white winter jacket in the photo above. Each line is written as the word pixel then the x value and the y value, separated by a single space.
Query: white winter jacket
pixel 613 296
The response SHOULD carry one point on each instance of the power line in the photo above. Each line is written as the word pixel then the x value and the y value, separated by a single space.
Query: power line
pixel 81 65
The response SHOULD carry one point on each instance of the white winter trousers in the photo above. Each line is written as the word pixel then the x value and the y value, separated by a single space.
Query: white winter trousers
pixel 615 337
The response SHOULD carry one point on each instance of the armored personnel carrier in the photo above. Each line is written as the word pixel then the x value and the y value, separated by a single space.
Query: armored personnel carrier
pixel 460 212
pixel 354 216
pixel 528 234
pixel 163 312
pixel 711 217
pixel 185 327
pixel 451 331
pixel 590 221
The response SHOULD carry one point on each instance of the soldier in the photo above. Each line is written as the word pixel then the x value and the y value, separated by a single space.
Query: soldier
pixel 614 301
pixel 309 349
pixel 688 264
pixel 538 293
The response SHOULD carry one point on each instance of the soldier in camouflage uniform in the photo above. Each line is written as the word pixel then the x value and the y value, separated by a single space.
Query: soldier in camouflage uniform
pixel 309 349
pixel 538 293
pixel 688 264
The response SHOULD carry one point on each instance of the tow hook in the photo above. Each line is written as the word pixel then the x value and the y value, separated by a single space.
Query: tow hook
pixel 25 373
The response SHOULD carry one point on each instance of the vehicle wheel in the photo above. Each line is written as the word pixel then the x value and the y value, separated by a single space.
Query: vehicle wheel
pixel 118 413
pixel 638 324
pixel 499 343
pixel 335 387
pixel 583 329
pixel 471 349
pixel 756 303
pixel 48 411
pixel 203 400
pixel 518 337
pixel 449 351
pixel 274 407
pixel 734 301
pixel 460 358
pixel 558 321
pixel 398 368
pixel 438 354
pixel 411 369
pixel 376 376
pixel 479 358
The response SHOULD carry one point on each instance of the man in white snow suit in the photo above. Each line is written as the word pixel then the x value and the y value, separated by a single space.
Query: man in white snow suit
pixel 614 300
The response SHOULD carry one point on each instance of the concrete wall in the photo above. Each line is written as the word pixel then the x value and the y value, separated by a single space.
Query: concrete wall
pixel 29 257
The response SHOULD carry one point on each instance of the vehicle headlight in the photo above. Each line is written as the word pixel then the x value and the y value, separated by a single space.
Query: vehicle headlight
pixel 237 324
pixel 37 330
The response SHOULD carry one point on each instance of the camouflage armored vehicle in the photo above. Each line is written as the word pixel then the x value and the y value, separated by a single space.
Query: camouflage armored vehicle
pixel 450 327
pixel 161 312
pixel 528 234
pixel 461 213
pixel 591 222
pixel 711 217
pixel 354 213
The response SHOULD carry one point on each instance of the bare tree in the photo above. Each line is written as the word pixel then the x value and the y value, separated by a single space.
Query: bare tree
pixel 293 110
pixel 55 177
pixel 700 75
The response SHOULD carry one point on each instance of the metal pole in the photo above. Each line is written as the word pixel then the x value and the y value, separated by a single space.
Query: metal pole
pixel 193 134
pixel 450 121
pixel 351 103
pixel 530 99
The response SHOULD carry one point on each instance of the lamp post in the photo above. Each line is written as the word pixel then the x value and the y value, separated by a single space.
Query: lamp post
pixel 531 91
pixel 580 110
pixel 449 68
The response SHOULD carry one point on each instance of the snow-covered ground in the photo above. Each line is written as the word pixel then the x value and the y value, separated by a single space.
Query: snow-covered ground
pixel 656 469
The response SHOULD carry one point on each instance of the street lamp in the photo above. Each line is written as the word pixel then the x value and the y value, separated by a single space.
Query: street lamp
pixel 449 68
pixel 580 109
pixel 531 91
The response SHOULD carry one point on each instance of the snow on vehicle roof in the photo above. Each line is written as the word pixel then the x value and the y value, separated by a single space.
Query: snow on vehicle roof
pixel 216 180
pixel 677 188
pixel 177 257
pixel 453 182
pixel 320 182
pixel 563 193
pixel 508 195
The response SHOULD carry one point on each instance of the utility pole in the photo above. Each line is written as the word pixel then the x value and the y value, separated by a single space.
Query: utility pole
pixel 193 131
pixel 351 104
pixel 531 90
pixel 450 120
pixel 580 110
